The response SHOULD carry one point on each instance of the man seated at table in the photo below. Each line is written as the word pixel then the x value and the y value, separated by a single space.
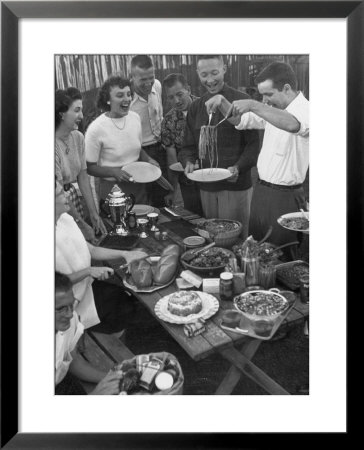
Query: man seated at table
pixel 70 367
pixel 284 158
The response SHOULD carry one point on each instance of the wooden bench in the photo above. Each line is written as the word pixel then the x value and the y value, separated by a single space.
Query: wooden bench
pixel 103 351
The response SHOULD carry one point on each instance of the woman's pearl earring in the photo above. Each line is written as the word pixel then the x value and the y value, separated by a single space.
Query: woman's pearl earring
pixel 108 103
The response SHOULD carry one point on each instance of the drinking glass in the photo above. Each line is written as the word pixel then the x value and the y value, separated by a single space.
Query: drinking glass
pixel 267 275
pixel 142 224
pixel 153 219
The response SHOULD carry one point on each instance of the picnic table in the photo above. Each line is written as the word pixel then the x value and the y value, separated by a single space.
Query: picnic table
pixel 237 349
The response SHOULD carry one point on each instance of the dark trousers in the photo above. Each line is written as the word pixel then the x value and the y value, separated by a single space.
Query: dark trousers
pixel 190 194
pixel 115 308
pixel 156 192
pixel 267 205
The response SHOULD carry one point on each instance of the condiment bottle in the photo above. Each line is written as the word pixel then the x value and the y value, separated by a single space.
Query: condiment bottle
pixel 226 286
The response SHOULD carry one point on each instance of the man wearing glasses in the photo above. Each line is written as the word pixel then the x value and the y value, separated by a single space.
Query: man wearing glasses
pixel 69 365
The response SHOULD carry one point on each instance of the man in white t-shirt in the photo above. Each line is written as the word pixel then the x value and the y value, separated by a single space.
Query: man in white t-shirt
pixel 147 102
pixel 284 157
pixel 69 365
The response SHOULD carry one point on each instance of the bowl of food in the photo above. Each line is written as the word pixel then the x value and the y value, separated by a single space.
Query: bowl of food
pixel 295 222
pixel 224 232
pixel 261 309
pixel 290 273
pixel 210 262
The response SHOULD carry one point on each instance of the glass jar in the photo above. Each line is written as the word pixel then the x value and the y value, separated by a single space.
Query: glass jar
pixel 226 286
pixel 267 275
pixel 250 266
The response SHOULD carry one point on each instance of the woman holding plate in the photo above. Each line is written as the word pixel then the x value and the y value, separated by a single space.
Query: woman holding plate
pixel 114 139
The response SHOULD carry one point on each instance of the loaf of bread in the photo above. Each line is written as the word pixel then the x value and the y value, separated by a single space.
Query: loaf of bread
pixel 141 273
pixel 166 267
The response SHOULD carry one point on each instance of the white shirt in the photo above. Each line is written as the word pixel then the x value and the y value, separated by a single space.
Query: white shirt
pixel 65 342
pixel 284 157
pixel 114 142
pixel 151 113
pixel 72 255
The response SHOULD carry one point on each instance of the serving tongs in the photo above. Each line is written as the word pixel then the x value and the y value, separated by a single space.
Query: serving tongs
pixel 190 256
pixel 304 214
pixel 269 251
pixel 227 116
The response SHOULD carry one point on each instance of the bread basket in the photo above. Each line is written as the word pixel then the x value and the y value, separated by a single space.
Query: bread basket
pixel 222 238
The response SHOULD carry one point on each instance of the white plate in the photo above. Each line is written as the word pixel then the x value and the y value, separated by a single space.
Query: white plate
pixel 292 216
pixel 209 175
pixel 210 306
pixel 149 289
pixel 177 167
pixel 142 210
pixel 143 172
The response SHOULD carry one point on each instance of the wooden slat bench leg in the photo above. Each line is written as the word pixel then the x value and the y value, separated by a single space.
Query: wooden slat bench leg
pixel 233 376
pixel 252 371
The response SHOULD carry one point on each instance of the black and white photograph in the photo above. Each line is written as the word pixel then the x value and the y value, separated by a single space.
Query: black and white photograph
pixel 182 214
pixel 181 186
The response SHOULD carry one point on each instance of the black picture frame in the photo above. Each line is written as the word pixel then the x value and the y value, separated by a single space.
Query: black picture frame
pixel 11 12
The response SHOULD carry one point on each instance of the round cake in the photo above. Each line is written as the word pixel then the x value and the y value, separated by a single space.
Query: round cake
pixel 184 303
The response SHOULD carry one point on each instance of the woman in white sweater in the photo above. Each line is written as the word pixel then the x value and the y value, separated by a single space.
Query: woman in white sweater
pixel 115 139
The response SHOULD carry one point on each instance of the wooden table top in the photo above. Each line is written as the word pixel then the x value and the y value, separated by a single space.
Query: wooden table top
pixel 214 338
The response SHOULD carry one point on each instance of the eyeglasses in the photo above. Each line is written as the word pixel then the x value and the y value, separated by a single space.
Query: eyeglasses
pixel 64 309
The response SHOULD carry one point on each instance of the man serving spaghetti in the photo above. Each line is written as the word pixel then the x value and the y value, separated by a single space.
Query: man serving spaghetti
pixel 236 150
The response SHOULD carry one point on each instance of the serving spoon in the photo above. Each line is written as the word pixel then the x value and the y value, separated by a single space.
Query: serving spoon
pixel 190 256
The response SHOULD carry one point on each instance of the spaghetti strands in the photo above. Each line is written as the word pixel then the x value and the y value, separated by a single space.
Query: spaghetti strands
pixel 208 145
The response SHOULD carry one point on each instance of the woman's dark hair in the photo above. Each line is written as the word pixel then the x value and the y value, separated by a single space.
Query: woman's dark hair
pixel 103 95
pixel 62 282
pixel 173 78
pixel 280 73
pixel 64 100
